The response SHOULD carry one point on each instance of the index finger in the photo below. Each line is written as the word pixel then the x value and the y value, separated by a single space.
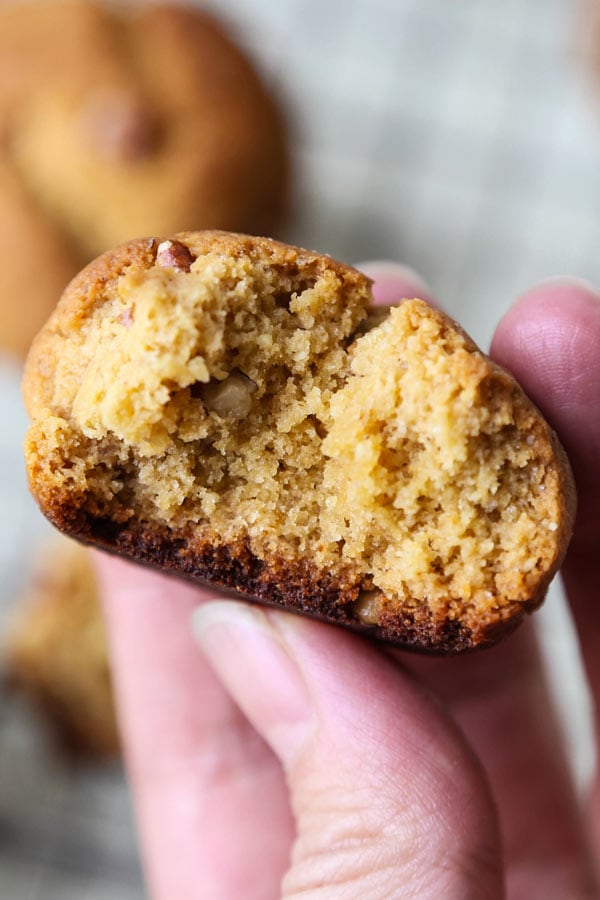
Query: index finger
pixel 206 788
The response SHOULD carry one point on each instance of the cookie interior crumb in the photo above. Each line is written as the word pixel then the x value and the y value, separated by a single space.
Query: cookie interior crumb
pixel 243 400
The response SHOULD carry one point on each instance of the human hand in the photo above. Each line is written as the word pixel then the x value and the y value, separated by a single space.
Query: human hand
pixel 289 749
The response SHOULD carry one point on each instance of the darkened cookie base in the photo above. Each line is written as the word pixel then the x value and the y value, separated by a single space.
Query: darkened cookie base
pixel 296 587
pixel 225 408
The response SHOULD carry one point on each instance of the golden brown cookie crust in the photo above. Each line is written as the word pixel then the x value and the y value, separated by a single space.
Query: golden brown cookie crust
pixel 247 429
pixel 116 121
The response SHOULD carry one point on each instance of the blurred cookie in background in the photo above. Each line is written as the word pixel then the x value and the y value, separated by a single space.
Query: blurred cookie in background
pixel 118 122
pixel 56 655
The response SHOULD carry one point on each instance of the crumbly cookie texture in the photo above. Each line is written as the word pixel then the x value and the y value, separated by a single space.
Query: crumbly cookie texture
pixel 56 652
pixel 228 409
pixel 116 120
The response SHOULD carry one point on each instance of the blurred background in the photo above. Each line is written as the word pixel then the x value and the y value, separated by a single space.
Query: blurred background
pixel 460 138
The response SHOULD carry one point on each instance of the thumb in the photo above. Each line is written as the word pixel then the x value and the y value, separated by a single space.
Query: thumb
pixel 388 799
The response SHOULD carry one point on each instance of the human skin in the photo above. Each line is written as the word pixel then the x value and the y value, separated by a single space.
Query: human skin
pixel 272 756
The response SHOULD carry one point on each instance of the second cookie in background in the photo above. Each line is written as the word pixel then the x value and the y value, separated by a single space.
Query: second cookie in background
pixel 56 654
pixel 121 123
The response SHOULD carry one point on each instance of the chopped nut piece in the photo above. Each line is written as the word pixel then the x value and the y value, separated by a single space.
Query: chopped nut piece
pixel 230 397
pixel 175 255
pixel 368 607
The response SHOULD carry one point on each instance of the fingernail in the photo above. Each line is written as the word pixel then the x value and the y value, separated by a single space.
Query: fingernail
pixel 567 281
pixel 394 281
pixel 255 665
pixel 557 292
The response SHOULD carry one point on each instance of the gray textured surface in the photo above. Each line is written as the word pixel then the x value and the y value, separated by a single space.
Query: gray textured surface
pixel 462 138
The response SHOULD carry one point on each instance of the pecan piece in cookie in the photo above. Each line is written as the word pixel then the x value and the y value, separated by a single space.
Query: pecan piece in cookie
pixel 175 255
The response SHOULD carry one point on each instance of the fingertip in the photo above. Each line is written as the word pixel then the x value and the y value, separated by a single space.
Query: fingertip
pixel 550 341
pixel 550 314
pixel 359 741
pixel 244 646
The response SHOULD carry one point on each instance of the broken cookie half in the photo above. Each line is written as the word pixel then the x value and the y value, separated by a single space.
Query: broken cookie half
pixel 226 408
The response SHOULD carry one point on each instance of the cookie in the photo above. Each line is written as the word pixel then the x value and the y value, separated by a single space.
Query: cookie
pixel 226 408
pixel 56 652
pixel 117 122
